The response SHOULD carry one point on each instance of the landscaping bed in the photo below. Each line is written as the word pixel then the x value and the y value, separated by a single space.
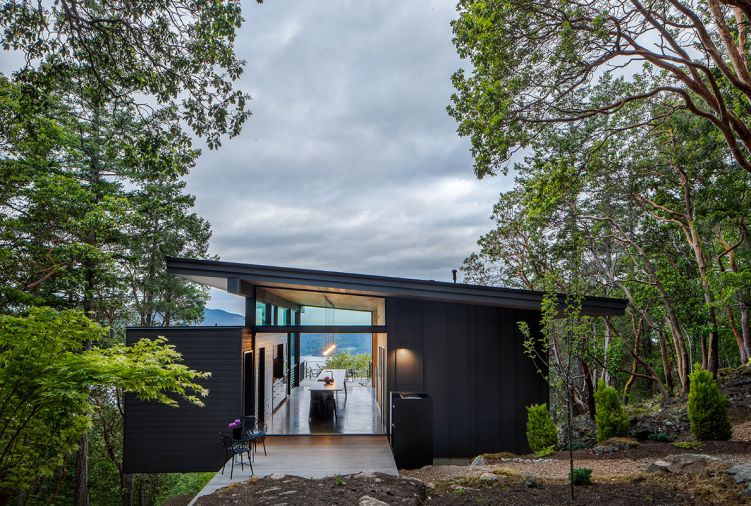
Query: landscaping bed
pixel 714 487
pixel 344 490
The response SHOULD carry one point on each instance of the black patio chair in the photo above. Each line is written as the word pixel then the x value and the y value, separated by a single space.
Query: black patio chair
pixel 249 424
pixel 260 437
pixel 235 447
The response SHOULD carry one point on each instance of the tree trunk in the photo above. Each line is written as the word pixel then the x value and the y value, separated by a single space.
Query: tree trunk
pixel 81 497
pixel 736 333
pixel 590 389
pixel 665 360
pixel 746 327
pixel 127 485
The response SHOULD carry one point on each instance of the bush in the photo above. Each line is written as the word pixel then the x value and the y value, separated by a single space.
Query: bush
pixel 610 418
pixel 581 476
pixel 662 437
pixel 707 407
pixel 542 435
pixel 688 445
pixel 577 445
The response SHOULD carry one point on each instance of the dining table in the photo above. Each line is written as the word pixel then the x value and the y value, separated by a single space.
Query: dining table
pixel 319 388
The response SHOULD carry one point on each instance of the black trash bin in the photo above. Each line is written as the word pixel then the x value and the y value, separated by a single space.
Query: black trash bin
pixel 412 429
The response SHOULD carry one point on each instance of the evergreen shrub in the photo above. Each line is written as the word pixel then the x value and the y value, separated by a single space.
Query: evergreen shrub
pixel 542 435
pixel 610 418
pixel 707 407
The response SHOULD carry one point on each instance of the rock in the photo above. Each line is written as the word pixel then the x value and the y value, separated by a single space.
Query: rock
pixel 672 421
pixel 583 433
pixel 488 477
pixel 478 461
pixel 741 472
pixel 277 476
pixel 658 465
pixel 685 463
pixel 366 500
pixel 614 444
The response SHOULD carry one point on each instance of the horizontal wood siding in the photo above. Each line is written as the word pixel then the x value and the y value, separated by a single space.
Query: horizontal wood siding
pixel 159 438
pixel 470 360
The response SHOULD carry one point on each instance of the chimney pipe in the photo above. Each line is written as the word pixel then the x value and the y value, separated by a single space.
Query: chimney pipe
pixel 453 272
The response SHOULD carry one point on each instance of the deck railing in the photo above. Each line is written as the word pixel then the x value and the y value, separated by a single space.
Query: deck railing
pixel 311 371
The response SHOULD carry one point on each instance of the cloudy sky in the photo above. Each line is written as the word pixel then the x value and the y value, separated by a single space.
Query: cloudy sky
pixel 350 161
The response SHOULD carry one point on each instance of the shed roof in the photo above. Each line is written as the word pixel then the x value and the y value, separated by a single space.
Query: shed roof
pixel 238 277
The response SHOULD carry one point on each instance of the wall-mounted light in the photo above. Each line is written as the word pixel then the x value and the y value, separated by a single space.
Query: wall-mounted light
pixel 328 350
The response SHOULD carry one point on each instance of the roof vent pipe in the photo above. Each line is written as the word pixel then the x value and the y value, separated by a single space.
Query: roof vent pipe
pixel 453 273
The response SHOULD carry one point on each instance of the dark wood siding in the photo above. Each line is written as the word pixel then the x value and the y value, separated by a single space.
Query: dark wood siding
pixel 470 360
pixel 158 438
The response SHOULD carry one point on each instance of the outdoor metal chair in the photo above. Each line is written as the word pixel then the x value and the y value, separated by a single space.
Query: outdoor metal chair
pixel 235 447
pixel 260 437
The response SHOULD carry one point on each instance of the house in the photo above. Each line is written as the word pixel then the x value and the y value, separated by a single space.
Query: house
pixel 458 343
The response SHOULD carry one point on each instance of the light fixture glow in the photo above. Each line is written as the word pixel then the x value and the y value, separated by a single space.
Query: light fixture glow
pixel 328 350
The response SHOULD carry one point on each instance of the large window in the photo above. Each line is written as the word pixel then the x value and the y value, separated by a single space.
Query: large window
pixel 330 316
pixel 262 316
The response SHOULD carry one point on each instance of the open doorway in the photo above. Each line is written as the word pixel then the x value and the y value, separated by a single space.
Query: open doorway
pixel 351 403
pixel 292 394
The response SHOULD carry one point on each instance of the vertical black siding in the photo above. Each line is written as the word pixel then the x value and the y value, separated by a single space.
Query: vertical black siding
pixel 158 438
pixel 471 361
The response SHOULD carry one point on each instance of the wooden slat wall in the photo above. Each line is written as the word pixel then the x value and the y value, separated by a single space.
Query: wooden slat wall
pixel 158 438
pixel 470 360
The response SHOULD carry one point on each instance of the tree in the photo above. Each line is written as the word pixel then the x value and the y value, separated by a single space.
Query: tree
pixel 177 54
pixel 562 336
pixel 89 216
pixel 48 371
pixel 161 224
pixel 534 63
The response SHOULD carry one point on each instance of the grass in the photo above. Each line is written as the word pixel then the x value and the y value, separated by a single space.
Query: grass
pixel 688 445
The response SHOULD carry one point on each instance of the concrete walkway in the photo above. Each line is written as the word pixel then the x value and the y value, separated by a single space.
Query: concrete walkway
pixel 312 457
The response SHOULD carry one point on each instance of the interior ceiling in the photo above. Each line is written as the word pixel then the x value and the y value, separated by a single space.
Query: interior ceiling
pixel 327 299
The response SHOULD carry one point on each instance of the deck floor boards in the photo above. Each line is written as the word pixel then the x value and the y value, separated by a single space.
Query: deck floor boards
pixel 316 456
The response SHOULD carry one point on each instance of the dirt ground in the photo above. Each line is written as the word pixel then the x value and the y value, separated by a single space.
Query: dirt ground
pixel 617 479
pixel 444 486
pixel 344 490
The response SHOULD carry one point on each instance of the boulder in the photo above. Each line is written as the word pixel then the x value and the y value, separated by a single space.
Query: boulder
pixel 614 444
pixel 366 500
pixel 583 433
pixel 670 420
pixel 488 477
pixel 684 463
pixel 478 461
pixel 741 472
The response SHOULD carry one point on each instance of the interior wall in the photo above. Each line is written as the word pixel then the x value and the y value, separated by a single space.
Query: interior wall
pixel 267 341
pixel 378 317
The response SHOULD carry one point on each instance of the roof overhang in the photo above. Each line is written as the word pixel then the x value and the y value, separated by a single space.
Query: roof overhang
pixel 238 278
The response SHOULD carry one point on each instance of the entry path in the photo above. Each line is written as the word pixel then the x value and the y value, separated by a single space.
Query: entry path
pixel 312 457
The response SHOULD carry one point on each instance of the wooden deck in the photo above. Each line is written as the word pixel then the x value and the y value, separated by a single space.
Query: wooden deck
pixel 312 457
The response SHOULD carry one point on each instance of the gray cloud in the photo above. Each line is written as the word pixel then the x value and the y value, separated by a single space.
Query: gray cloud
pixel 350 161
